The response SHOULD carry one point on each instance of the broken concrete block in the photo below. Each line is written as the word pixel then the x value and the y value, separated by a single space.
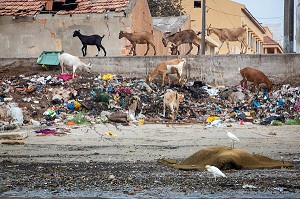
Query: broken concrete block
pixel 13 136
pixel 13 142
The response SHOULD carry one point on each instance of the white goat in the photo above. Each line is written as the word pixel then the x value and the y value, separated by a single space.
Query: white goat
pixel 67 59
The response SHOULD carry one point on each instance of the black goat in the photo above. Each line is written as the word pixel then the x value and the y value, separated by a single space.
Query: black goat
pixel 89 40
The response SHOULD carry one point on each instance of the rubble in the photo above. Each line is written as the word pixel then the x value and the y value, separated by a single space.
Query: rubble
pixel 47 100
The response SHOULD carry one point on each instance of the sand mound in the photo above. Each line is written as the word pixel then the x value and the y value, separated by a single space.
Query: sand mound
pixel 225 158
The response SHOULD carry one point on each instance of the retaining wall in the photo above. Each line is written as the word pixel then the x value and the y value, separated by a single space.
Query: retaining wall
pixel 214 70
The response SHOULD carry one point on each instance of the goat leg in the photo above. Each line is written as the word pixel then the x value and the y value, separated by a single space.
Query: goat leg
pixel 169 81
pixel 245 84
pixel 220 47
pixel 227 42
pixel 82 49
pixel 163 80
pixel 191 47
pixel 178 77
pixel 245 46
pixel 153 48
pixel 98 50
pixel 198 46
pixel 62 67
pixel 74 70
pixel 242 83
pixel 103 50
pixel 147 49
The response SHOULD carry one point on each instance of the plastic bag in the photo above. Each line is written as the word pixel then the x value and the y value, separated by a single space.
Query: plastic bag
pixel 16 114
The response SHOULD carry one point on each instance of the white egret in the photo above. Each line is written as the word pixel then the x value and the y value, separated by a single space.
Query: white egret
pixel 215 171
pixel 232 138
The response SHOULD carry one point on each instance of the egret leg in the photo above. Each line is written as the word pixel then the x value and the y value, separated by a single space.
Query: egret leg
pixel 233 144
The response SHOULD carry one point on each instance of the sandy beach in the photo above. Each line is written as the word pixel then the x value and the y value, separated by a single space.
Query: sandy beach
pixel 125 164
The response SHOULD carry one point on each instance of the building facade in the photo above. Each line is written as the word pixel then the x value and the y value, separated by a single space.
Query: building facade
pixel 227 14
pixel 271 46
pixel 30 27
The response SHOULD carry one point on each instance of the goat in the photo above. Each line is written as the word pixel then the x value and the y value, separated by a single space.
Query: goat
pixel 67 59
pixel 139 38
pixel 255 76
pixel 172 100
pixel 89 40
pixel 226 35
pixel 174 66
pixel 183 37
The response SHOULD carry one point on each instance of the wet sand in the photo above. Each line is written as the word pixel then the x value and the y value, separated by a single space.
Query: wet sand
pixel 87 162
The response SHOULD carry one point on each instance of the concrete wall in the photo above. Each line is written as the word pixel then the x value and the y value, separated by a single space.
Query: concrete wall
pixel 215 70
pixel 26 37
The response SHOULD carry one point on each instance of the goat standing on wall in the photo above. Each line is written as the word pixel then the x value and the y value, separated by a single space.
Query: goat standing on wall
pixel 226 35
pixel 89 40
pixel 183 37
pixel 139 38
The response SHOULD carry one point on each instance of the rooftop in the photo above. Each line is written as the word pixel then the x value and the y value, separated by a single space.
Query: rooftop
pixel 169 24
pixel 31 7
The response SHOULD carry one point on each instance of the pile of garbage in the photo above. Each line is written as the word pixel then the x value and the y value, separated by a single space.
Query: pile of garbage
pixel 49 100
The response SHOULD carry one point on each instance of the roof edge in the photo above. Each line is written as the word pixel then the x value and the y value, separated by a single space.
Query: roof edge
pixel 252 18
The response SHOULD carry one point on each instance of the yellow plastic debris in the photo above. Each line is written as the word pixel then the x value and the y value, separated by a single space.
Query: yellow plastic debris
pixel 77 104
pixel 212 118
pixel 110 133
pixel 141 122
pixel 107 77
pixel 117 99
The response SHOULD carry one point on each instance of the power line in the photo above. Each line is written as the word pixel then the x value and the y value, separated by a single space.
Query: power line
pixel 242 16
pixel 225 14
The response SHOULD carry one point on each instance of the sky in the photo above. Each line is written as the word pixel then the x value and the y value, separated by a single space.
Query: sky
pixel 268 12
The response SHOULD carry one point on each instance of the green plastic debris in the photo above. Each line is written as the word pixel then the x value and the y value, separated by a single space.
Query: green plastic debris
pixel 79 118
pixel 99 95
pixel 293 122
pixel 104 119
pixel 276 123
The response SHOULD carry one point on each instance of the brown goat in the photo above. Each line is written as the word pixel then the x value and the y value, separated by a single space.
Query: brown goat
pixel 171 101
pixel 139 38
pixel 255 76
pixel 183 37
pixel 226 35
pixel 174 66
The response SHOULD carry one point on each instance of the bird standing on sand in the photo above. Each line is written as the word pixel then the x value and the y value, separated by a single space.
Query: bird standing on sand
pixel 215 171
pixel 232 138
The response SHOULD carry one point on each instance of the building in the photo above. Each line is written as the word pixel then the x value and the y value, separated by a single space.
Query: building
pixel 29 27
pixel 227 14
pixel 271 46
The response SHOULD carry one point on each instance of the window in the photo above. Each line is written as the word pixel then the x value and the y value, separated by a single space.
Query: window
pixel 261 48
pixel 197 4
pixel 53 5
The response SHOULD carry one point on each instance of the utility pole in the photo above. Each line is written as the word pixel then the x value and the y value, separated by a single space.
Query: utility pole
pixel 203 27
pixel 298 28
pixel 288 26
